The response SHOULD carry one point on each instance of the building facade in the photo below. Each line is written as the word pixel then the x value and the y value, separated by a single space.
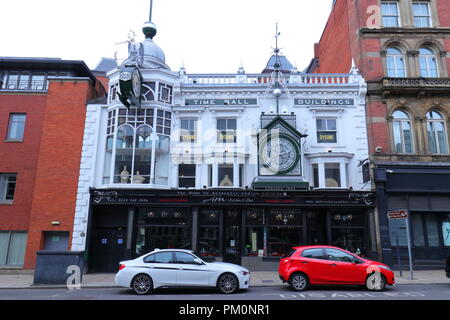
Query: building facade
pixel 401 48
pixel 42 113
pixel 240 167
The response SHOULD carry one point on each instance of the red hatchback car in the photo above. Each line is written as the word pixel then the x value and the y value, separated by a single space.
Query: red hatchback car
pixel 320 265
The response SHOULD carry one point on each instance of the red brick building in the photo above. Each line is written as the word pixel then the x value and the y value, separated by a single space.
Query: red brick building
pixel 401 47
pixel 42 114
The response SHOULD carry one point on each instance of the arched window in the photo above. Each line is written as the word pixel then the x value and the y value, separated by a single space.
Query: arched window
pixel 124 154
pixel 395 63
pixel 428 63
pixel 437 133
pixel 402 133
pixel 142 155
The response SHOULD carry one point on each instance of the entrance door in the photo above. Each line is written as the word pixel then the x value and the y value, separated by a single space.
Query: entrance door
pixel 109 249
pixel 232 235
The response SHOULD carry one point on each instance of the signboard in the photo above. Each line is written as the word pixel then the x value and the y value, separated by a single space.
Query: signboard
pixel 398 214
pixel 324 102
pixel 327 137
pixel 366 172
pixel 221 102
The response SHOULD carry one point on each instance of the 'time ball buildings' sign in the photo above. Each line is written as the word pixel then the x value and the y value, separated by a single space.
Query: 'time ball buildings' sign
pixel 398 214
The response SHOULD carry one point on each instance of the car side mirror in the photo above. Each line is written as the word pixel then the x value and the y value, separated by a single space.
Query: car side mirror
pixel 198 261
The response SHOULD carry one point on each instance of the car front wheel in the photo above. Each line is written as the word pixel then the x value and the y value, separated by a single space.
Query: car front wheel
pixel 376 282
pixel 228 283
pixel 142 284
pixel 299 282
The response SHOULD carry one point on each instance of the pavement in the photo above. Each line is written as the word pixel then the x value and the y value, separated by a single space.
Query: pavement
pixel 24 280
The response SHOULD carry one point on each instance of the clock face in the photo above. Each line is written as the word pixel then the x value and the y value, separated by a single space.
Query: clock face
pixel 279 155
pixel 136 79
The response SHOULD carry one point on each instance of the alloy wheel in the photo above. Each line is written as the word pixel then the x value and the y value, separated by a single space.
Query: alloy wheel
pixel 142 284
pixel 376 282
pixel 228 283
pixel 299 282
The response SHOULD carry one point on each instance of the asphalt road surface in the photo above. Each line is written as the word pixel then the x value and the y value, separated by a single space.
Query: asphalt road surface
pixel 399 292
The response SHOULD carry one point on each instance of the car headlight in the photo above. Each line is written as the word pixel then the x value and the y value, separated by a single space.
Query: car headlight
pixel 244 273
pixel 385 267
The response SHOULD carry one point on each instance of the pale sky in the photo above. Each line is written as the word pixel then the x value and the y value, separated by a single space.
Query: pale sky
pixel 207 36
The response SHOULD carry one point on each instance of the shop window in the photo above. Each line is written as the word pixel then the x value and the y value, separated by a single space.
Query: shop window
pixel 390 14
pixel 225 178
pixel 446 230
pixel 332 175
pixel 12 248
pixel 417 230
pixel 282 239
pixel 348 230
pixel 226 130
pixel 124 154
pixel 7 186
pixel 397 230
pixel 432 230
pixel 188 130
pixel 186 175
pixel 254 241
pixel 208 243
pixel 16 127
pixel 326 130
pixel 401 125
pixel 422 15
pixel 285 231
pixel 395 63
pixel 437 133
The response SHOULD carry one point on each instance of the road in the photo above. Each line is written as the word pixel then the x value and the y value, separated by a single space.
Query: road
pixel 400 292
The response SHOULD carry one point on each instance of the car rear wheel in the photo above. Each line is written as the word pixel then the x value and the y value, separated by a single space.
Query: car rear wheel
pixel 142 284
pixel 299 282
pixel 228 283
pixel 376 282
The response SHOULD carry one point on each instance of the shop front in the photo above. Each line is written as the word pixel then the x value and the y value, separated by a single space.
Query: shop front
pixel 251 228
pixel 423 190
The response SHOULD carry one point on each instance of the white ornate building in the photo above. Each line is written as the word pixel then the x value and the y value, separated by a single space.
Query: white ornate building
pixel 237 166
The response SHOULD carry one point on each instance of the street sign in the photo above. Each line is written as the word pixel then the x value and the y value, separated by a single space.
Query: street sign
pixel 398 214
pixel 403 215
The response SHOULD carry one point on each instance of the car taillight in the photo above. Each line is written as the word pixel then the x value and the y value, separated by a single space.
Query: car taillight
pixel 121 266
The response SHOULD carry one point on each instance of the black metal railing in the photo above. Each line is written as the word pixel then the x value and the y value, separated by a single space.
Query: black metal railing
pixel 37 85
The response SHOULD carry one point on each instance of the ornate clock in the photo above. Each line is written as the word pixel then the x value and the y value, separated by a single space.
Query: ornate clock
pixel 279 154
pixel 130 82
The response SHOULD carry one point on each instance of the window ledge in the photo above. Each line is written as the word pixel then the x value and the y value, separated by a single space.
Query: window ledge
pixel 6 202
pixel 13 140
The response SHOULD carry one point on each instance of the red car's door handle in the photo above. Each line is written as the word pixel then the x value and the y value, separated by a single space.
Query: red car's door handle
pixel 304 261
pixel 333 264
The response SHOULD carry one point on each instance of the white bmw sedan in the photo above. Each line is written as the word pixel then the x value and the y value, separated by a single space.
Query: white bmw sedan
pixel 180 268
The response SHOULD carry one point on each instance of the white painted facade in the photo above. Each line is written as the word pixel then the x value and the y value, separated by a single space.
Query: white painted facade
pixel 97 166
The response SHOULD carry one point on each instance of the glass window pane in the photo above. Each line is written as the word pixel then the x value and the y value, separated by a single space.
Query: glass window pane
pixel 313 254
pixel 282 239
pixel 16 126
pixel 163 257
pixel 209 217
pixel 17 247
pixel 398 143
pixel 417 227
pixel 350 239
pixel 321 124
pixel 285 217
pixel 4 243
pixel 432 230
pixel 446 230
pixel 184 258
pixel 255 216
pixel 407 136
pixel 397 228
pixel 332 175
pixel 338 255
pixel 208 242
pixel 254 241
pixel 225 177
